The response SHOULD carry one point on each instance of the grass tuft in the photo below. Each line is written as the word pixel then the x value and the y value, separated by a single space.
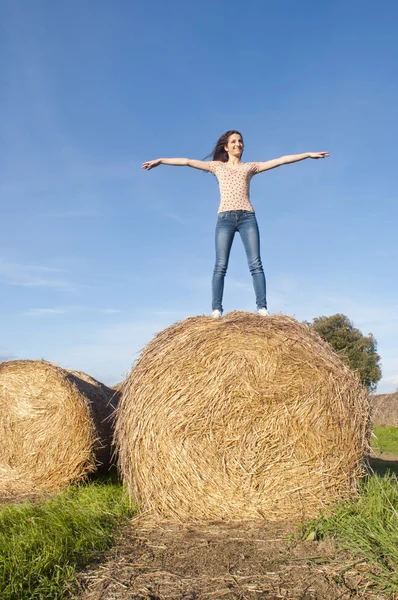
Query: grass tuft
pixel 368 527
pixel 42 544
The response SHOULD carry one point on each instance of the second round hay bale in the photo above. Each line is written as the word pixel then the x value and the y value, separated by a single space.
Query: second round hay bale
pixel 118 386
pixel 55 426
pixel 240 418
pixel 102 402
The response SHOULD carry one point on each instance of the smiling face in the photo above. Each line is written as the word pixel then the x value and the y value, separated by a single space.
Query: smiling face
pixel 235 146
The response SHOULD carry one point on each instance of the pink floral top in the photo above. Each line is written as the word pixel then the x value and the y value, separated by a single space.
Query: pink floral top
pixel 234 183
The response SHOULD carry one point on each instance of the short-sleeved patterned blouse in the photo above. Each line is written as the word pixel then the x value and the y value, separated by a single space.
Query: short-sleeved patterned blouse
pixel 234 183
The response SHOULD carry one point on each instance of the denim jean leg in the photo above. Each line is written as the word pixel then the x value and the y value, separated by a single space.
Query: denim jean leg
pixel 225 232
pixel 248 229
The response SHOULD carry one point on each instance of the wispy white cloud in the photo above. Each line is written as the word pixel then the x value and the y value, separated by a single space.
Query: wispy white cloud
pixel 64 310
pixel 245 286
pixel 4 357
pixel 123 169
pixel 393 379
pixel 371 312
pixel 84 212
pixel 68 176
pixel 109 352
pixel 177 314
pixel 47 312
pixel 177 218
pixel 34 276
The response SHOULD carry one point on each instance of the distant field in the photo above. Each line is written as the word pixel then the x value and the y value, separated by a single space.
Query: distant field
pixel 386 439
pixel 385 409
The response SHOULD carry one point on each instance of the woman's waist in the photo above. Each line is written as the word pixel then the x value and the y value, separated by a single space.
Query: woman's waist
pixel 239 211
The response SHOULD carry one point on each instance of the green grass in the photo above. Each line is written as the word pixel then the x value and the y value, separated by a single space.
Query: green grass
pixel 386 439
pixel 367 527
pixel 43 544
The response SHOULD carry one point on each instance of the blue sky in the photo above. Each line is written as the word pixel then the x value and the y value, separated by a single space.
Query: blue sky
pixel 96 255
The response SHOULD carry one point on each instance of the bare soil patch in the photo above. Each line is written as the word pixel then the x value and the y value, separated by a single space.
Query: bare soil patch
pixel 19 498
pixel 246 560
pixel 383 462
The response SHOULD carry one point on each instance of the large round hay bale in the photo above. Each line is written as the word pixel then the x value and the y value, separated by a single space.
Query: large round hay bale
pixel 55 426
pixel 240 418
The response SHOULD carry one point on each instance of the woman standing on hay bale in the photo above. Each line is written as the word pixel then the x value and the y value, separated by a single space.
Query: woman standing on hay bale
pixel 235 212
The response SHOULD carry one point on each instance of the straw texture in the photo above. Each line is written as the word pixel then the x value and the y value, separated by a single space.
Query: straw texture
pixel 55 426
pixel 239 418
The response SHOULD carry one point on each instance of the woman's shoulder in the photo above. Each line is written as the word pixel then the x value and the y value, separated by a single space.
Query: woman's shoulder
pixel 214 164
pixel 252 166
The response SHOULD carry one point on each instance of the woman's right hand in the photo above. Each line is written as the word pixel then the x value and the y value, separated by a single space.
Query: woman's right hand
pixel 151 164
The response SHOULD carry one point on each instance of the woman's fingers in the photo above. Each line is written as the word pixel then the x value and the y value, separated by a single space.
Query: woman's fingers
pixel 319 154
pixel 150 164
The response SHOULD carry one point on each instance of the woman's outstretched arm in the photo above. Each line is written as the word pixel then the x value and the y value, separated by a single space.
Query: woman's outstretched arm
pixel 176 162
pixel 290 158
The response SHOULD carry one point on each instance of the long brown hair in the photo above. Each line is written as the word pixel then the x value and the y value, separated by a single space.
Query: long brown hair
pixel 219 152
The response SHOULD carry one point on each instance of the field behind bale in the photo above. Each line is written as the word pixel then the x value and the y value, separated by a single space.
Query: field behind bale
pixel 385 409
pixel 385 439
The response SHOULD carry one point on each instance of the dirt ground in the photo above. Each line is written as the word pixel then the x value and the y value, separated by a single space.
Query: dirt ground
pixel 383 462
pixel 224 561
pixel 245 560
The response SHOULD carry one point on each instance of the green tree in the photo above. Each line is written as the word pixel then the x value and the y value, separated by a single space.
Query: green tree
pixel 357 350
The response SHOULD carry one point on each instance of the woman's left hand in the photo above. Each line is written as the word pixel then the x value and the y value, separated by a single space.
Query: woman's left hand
pixel 151 164
pixel 318 154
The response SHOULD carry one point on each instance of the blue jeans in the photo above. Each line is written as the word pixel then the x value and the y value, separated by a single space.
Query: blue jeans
pixel 228 223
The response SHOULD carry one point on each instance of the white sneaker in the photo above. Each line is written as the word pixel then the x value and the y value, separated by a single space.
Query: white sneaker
pixel 216 314
pixel 263 312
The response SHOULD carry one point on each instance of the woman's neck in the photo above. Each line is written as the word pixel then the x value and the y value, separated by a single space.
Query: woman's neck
pixel 233 160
